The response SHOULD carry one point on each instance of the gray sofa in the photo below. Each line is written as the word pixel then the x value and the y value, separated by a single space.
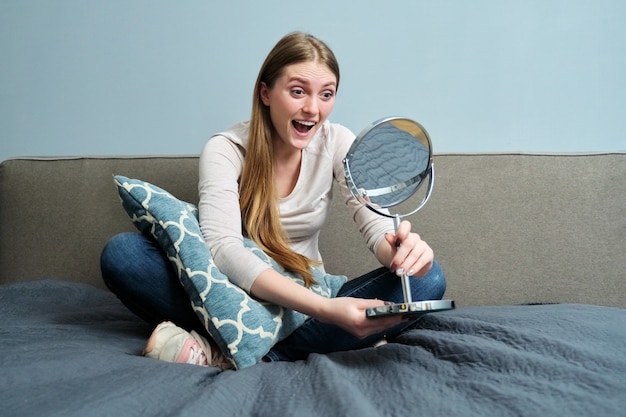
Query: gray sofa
pixel 507 229
pixel 510 230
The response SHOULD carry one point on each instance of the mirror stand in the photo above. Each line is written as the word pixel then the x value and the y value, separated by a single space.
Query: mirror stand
pixel 385 166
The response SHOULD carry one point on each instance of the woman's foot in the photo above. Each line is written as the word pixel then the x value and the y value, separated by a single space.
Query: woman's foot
pixel 171 343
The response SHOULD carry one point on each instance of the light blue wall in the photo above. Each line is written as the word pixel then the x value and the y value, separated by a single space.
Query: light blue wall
pixel 96 77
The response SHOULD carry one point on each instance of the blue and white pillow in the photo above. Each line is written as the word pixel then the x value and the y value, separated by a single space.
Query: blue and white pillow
pixel 242 326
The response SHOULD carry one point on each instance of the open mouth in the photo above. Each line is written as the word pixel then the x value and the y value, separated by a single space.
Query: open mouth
pixel 303 126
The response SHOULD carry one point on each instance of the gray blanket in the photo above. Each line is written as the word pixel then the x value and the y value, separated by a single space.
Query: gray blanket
pixel 70 349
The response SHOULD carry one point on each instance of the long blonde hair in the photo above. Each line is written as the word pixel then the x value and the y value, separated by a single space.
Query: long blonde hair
pixel 257 194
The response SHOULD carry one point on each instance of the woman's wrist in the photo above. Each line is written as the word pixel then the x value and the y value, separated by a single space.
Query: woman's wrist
pixel 273 287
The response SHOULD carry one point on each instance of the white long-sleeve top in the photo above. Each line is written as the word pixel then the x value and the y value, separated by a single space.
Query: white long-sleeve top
pixel 303 213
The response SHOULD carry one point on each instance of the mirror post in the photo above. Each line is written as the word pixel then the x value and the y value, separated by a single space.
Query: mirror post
pixel 406 284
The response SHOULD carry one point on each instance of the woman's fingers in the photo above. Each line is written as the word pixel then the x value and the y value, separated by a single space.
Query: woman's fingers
pixel 413 256
pixel 351 316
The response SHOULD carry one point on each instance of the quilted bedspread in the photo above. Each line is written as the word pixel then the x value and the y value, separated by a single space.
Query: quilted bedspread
pixel 69 349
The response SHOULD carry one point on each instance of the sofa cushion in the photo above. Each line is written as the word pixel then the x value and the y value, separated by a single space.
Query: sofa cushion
pixel 243 327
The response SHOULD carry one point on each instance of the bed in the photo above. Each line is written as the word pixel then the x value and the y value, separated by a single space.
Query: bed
pixel 69 349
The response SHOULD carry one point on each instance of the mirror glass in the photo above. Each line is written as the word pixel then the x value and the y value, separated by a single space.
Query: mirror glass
pixel 388 162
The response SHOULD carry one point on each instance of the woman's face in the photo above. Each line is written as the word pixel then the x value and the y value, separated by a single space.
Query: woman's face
pixel 299 102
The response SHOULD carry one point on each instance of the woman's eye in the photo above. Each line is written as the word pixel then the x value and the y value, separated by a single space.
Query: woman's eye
pixel 297 92
pixel 328 94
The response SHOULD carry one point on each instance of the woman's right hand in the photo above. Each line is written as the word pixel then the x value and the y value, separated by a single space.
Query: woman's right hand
pixel 349 314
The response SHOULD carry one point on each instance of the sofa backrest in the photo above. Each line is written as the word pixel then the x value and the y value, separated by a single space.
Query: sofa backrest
pixel 519 228
pixel 57 214
pixel 506 228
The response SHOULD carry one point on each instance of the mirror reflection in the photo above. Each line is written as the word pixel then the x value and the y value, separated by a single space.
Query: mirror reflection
pixel 388 162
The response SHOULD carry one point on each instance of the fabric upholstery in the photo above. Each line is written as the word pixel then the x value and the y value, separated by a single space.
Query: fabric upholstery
pixel 506 228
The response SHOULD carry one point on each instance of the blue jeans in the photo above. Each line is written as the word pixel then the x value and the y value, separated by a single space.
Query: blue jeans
pixel 136 270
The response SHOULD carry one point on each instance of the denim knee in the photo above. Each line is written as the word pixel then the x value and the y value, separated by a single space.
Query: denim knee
pixel 432 286
pixel 139 273
pixel 113 265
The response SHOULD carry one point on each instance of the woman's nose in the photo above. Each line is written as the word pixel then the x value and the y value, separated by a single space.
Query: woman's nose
pixel 311 106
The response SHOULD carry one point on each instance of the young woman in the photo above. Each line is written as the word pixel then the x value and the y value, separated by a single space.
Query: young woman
pixel 270 180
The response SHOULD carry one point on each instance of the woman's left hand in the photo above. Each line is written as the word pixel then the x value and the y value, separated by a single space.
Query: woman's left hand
pixel 412 255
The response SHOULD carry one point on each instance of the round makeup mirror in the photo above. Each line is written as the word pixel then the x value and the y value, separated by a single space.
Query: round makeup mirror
pixel 387 163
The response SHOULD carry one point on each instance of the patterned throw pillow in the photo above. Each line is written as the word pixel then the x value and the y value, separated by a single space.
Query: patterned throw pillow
pixel 243 327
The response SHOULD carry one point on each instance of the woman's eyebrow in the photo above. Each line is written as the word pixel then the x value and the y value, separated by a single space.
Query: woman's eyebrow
pixel 306 81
